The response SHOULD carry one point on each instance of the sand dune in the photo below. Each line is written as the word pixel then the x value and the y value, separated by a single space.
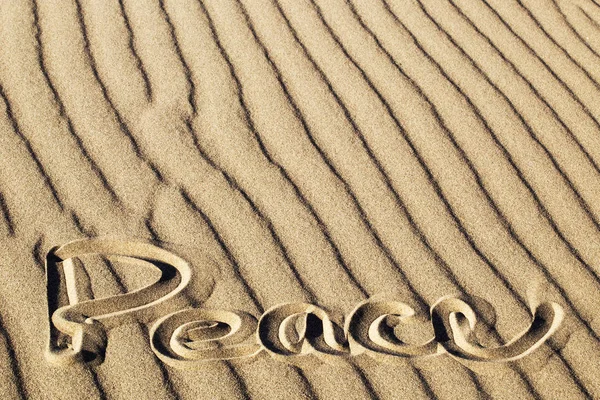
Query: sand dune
pixel 339 153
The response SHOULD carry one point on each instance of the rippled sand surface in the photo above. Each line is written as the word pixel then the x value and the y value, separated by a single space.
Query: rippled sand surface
pixel 305 151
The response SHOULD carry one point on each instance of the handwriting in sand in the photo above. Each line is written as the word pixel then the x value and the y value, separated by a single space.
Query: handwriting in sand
pixel 187 338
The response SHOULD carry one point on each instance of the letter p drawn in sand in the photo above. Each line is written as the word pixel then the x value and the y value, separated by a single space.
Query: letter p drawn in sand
pixel 77 331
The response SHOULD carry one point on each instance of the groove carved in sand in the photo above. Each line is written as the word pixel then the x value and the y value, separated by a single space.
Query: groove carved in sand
pixel 187 338
pixel 77 330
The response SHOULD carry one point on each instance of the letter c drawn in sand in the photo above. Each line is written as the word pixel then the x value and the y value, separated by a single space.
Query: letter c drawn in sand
pixel 77 330
pixel 368 332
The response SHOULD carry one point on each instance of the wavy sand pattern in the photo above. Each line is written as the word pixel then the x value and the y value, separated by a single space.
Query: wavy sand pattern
pixel 345 158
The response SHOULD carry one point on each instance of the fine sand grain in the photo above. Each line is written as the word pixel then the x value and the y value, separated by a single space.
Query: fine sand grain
pixel 340 153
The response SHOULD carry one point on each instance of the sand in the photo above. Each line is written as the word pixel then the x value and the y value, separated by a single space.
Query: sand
pixel 292 170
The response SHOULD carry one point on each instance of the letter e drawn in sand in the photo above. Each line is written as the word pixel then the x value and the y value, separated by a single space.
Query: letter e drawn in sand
pixel 188 338
pixel 454 322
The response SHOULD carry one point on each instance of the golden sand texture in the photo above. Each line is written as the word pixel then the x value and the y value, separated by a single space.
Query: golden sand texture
pixel 304 151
